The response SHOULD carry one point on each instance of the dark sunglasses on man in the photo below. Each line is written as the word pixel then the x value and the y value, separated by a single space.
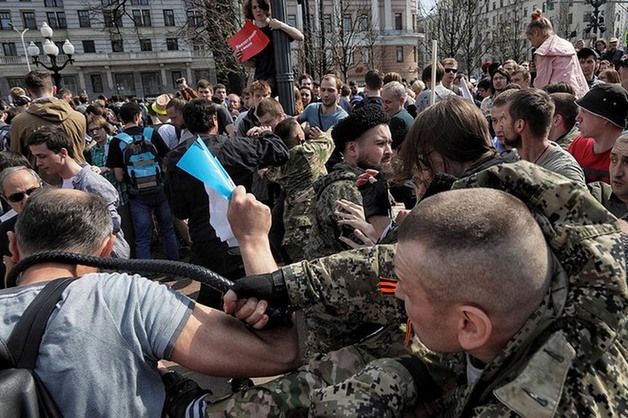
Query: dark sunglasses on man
pixel 18 197
pixel 451 70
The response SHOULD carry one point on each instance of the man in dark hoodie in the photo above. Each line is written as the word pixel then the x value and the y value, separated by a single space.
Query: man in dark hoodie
pixel 241 157
pixel 47 110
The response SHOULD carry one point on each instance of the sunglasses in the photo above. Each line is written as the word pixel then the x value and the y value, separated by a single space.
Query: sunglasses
pixel 18 197
pixel 451 70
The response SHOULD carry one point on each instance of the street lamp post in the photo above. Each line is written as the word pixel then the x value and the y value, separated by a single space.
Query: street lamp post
pixel 28 64
pixel 52 51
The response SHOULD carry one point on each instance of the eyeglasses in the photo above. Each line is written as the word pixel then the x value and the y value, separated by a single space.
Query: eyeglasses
pixel 451 70
pixel 94 130
pixel 18 197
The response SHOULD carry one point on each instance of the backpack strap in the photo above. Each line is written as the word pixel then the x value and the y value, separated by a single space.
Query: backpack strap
pixel 26 337
pixel 124 137
pixel 148 133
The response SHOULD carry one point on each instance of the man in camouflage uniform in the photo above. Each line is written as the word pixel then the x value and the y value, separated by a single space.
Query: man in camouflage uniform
pixel 365 141
pixel 568 358
pixel 305 165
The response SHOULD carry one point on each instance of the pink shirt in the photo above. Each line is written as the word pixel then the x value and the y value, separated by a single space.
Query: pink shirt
pixel 556 61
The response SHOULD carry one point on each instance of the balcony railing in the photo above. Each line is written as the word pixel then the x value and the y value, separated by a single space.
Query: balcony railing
pixel 113 58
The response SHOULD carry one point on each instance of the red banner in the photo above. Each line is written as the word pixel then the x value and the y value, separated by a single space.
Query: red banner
pixel 250 40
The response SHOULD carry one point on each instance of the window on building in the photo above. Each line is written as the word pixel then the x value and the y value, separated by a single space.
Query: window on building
pixel 494 19
pixel 494 5
pixel 141 18
pixel 399 54
pixel 146 45
pixel 5 19
pixel 363 23
pixel 139 2
pixel 89 47
pixel 137 18
pixel 146 19
pixel 151 85
pixel 413 22
pixel 292 20
pixel 84 19
pixel 366 56
pixel 570 18
pixel 97 85
pixel 195 18
pixel 125 84
pixel 349 56
pixel 112 18
pixel 501 3
pixel 398 21
pixel 586 17
pixel 327 23
pixel 53 3
pixel 168 17
pixel 346 23
pixel 117 45
pixel 15 81
pixel 29 21
pixel 56 20
pixel 9 49
pixel 175 76
pixel 172 44
pixel 543 7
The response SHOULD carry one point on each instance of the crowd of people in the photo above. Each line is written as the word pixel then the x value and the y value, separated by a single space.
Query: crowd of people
pixel 447 249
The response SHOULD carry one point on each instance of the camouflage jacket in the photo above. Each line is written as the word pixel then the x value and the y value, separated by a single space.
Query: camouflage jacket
pixel 569 359
pixel 305 165
pixel 339 184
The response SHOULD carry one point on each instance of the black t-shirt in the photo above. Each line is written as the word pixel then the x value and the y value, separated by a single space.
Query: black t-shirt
pixel 224 118
pixel 115 159
pixel 265 60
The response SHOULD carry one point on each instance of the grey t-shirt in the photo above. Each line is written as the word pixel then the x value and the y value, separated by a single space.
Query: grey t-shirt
pixel 560 161
pixel 99 353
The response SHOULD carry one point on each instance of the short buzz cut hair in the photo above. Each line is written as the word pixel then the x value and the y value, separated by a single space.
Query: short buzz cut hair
pixel 63 220
pixel 38 81
pixel 336 80
pixel 54 138
pixel 480 243
pixel 374 79
pixel 535 107
pixel 269 106
pixel 565 106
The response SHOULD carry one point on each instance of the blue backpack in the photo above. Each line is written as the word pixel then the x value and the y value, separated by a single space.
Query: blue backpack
pixel 141 162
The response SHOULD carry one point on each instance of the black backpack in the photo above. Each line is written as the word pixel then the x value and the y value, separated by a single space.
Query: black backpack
pixel 21 392
pixel 141 162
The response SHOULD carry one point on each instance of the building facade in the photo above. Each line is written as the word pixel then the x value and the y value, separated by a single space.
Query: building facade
pixel 505 21
pixel 353 36
pixel 134 50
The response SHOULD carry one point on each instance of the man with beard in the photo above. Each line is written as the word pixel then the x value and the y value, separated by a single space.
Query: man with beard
pixel 526 125
pixel 364 139
pixel 323 116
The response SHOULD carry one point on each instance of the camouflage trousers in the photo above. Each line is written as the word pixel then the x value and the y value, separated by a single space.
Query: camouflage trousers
pixel 291 395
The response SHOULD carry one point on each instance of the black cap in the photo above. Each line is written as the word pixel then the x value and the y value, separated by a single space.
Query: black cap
pixel 587 52
pixel 358 122
pixel 608 101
